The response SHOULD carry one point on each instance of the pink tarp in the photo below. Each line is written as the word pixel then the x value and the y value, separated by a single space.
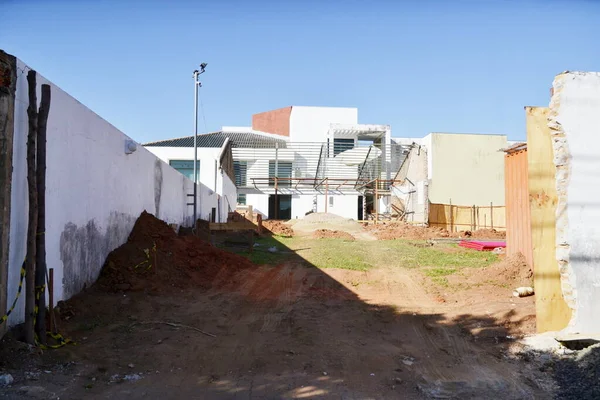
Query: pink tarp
pixel 481 246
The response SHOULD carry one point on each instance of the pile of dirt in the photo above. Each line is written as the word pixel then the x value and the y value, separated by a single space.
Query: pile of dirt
pixel 329 234
pixel 156 258
pixel 315 221
pixel 403 230
pixel 278 228
pixel 513 270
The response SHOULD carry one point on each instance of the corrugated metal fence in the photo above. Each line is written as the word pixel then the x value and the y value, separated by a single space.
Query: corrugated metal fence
pixel 518 215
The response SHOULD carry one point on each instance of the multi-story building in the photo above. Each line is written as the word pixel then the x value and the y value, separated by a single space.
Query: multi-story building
pixel 297 160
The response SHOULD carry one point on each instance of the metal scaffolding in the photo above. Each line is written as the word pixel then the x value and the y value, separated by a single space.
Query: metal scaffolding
pixel 307 168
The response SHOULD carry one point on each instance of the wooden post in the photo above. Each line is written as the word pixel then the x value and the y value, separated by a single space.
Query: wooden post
pixel 51 298
pixel 326 193
pixel 477 220
pixel 8 80
pixel 491 215
pixel 451 218
pixel 376 201
pixel 276 200
pixel 40 270
pixel 32 225
pixel 259 223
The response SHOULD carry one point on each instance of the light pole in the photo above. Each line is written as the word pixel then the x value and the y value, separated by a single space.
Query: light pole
pixel 197 84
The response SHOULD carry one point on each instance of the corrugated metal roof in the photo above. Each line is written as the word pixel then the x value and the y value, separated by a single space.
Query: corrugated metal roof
pixel 216 139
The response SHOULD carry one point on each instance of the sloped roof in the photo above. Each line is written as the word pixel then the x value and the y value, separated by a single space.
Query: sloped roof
pixel 216 139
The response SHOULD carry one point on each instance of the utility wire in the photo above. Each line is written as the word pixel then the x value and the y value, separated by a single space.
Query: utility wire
pixel 202 110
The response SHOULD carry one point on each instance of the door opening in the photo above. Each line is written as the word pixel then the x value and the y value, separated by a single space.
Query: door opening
pixel 280 206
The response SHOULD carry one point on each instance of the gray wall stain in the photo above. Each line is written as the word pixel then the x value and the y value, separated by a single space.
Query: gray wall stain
pixel 158 181
pixel 83 250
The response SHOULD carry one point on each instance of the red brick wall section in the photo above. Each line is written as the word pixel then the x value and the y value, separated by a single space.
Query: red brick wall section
pixel 275 121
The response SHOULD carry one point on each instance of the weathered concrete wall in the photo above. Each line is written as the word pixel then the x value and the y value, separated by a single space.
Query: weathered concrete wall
pixel 95 192
pixel 574 119
pixel 467 168
pixel 220 191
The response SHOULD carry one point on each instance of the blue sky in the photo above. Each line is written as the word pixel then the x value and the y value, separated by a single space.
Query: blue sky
pixel 420 66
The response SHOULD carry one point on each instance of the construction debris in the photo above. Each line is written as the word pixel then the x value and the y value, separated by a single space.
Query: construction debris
pixel 523 291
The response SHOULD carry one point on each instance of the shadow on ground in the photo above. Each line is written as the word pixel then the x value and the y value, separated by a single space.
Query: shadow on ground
pixel 289 331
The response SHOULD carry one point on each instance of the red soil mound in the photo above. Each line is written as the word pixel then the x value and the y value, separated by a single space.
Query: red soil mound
pixel 513 270
pixel 327 233
pixel 278 228
pixel 155 258
pixel 403 230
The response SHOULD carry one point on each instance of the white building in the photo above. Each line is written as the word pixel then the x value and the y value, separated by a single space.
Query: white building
pixel 297 160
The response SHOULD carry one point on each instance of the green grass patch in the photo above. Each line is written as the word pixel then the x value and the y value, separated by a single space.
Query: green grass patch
pixel 436 261
pixel 261 254
pixel 439 271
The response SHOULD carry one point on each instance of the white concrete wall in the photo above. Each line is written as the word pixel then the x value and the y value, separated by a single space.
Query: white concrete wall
pixel 227 195
pixel 260 203
pixel 575 120
pixel 311 124
pixel 345 205
pixel 95 192
pixel 301 204
pixel 217 184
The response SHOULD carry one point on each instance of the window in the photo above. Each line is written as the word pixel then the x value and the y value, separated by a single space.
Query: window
pixel 330 201
pixel 284 171
pixel 186 167
pixel 240 170
pixel 340 145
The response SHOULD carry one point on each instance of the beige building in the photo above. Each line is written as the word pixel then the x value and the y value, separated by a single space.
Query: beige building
pixel 463 170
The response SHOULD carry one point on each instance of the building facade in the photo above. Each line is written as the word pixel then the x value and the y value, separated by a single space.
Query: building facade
pixel 298 160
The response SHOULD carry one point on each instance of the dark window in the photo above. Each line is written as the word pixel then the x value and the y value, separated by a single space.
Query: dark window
pixel 240 169
pixel 284 171
pixel 340 145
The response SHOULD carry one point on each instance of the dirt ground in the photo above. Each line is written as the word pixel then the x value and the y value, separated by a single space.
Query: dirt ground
pixel 403 230
pixel 287 331
pixel 329 234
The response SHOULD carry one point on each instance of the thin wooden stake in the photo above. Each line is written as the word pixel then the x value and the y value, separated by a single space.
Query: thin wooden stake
pixel 376 201
pixel 451 218
pixel 326 193
pixel 51 299
pixel 33 219
pixel 173 324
